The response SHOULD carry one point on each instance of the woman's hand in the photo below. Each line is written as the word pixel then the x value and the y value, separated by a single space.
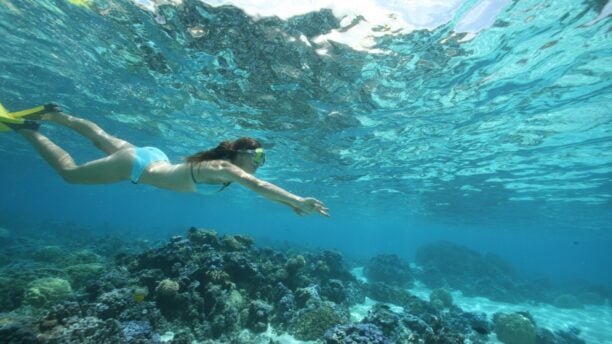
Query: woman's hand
pixel 229 172
pixel 310 205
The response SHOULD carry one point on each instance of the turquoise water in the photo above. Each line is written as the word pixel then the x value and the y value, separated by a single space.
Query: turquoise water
pixel 498 138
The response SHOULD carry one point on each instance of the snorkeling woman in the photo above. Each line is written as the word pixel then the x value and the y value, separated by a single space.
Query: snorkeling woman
pixel 229 162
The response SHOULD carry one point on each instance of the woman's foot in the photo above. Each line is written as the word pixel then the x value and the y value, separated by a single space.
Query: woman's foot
pixel 26 124
pixel 45 114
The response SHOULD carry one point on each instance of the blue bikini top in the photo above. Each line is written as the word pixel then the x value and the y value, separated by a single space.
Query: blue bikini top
pixel 205 188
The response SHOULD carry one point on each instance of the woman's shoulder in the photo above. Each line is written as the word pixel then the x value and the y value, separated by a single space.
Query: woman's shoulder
pixel 211 171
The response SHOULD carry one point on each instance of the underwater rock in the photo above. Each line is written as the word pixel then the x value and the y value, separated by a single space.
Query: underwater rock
pixel 294 264
pixel 60 313
pixel 258 316
pixel 500 288
pixel 442 297
pixel 135 331
pixel 284 306
pixel 330 264
pixel 419 307
pixel 121 304
pixel 478 322
pixel 48 290
pixel 112 303
pixel 113 279
pixel 236 242
pixel 418 325
pixel 334 290
pixel 11 293
pixel 312 323
pixel 437 304
pixel 387 293
pixel 203 237
pixel 456 326
pixel 355 292
pixel 219 310
pixel 82 257
pixel 591 298
pixel 17 333
pixel 242 269
pixel 452 326
pixel 167 288
pixel 230 243
pixel 448 265
pixel 355 334
pixel 307 296
pixel 514 328
pixel 569 336
pixel 389 323
pixel 389 269
pixel 567 301
pixel 86 330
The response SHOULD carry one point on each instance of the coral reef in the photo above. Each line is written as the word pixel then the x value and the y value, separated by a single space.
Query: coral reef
pixel 386 293
pixel 389 269
pixel 446 265
pixel 356 334
pixel 311 323
pixel 215 288
pixel 210 286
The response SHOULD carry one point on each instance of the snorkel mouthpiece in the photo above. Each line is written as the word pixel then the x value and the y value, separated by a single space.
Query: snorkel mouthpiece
pixel 260 157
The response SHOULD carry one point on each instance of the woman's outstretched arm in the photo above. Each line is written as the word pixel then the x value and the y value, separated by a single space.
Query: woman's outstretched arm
pixel 301 205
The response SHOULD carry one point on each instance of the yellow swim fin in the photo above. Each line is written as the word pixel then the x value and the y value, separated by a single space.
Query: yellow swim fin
pixel 17 117
pixel 2 110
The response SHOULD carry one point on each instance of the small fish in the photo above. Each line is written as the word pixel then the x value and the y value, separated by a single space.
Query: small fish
pixel 140 294
pixel 139 297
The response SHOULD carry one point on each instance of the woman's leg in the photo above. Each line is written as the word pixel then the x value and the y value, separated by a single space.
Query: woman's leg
pixel 114 168
pixel 101 139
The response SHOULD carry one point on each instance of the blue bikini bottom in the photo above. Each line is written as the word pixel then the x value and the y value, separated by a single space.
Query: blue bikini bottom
pixel 143 158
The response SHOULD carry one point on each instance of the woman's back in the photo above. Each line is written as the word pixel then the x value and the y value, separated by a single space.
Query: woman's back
pixel 169 176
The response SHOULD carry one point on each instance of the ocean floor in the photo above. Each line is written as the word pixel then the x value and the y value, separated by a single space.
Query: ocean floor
pixel 595 322
pixel 205 287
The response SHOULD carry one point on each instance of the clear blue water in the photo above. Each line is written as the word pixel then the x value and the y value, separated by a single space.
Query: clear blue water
pixel 500 140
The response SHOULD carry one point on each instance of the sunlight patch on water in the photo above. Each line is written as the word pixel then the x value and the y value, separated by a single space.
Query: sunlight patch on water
pixel 364 21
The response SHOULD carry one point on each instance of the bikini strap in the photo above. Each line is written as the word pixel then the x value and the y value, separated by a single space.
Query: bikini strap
pixel 195 182
pixel 192 176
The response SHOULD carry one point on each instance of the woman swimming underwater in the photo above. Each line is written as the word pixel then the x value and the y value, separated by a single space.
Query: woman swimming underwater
pixel 231 161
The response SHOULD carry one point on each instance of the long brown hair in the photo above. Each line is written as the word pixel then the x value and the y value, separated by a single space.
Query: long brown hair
pixel 226 150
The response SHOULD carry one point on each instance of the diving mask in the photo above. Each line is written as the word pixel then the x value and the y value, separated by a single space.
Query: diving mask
pixel 257 155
